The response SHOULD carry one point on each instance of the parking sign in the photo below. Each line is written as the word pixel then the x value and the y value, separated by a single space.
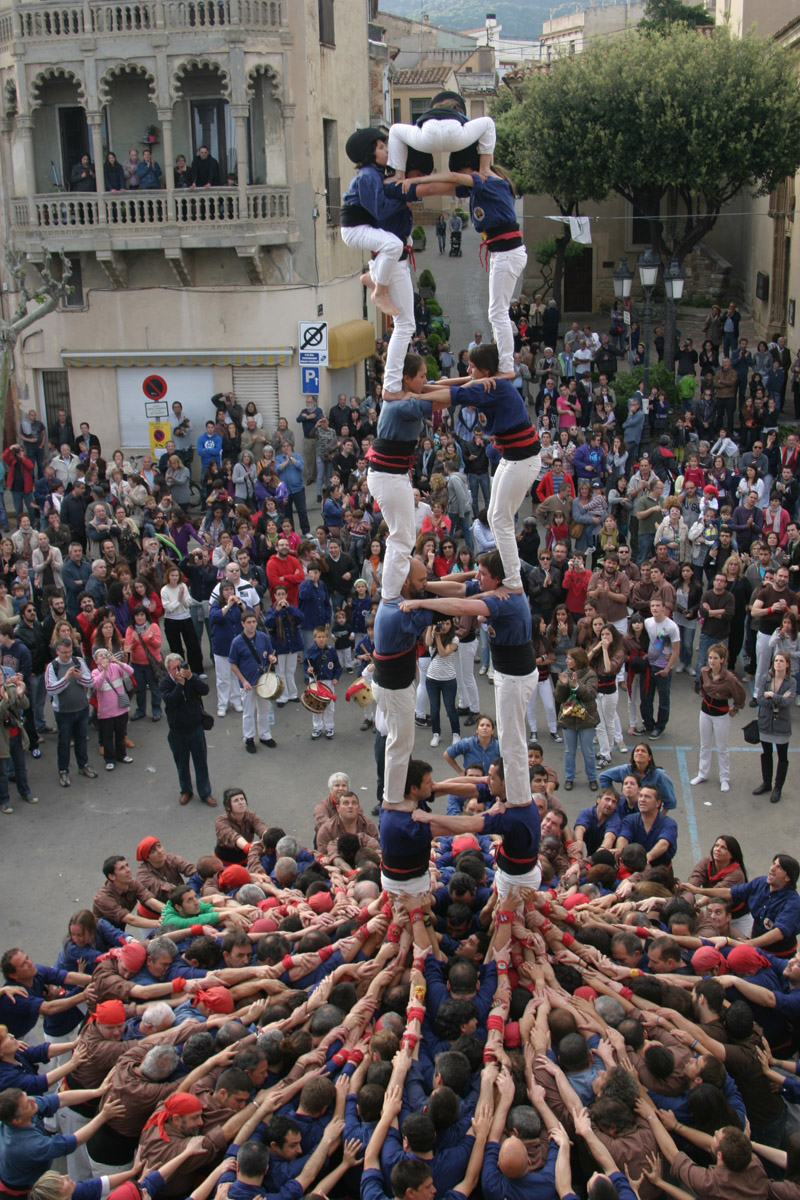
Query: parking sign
pixel 313 343
pixel 310 378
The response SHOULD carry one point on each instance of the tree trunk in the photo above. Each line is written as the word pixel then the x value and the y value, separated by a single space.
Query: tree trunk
pixel 669 334
pixel 558 268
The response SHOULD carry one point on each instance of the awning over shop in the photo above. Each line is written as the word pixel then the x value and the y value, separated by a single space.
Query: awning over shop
pixel 269 356
pixel 350 343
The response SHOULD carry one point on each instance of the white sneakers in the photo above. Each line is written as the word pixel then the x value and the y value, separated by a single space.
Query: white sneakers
pixel 724 786
pixel 435 739
pixel 699 779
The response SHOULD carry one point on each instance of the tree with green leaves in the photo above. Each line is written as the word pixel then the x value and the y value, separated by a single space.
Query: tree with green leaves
pixel 660 14
pixel 678 123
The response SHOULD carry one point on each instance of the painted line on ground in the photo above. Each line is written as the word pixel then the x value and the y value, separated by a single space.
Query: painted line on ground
pixel 688 799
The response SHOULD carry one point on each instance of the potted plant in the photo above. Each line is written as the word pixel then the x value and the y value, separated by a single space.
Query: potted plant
pixel 434 308
pixel 427 284
pixel 419 238
pixel 152 134
pixel 432 366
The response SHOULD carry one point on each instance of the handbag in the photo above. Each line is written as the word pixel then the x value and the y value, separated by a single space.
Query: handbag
pixel 750 732
pixel 576 529
pixel 129 683
pixel 207 721
pixel 156 666
pixel 574 709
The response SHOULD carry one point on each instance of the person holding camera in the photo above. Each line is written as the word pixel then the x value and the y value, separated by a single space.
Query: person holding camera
pixel 113 705
pixel 19 479
pixel 225 613
pixel 183 693
pixel 441 681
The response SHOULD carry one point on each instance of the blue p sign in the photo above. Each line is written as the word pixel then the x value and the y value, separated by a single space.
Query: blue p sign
pixel 310 377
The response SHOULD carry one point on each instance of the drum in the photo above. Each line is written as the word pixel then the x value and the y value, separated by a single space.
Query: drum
pixel 269 686
pixel 361 692
pixel 316 697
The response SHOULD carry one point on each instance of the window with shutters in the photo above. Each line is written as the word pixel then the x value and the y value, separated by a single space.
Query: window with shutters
pixel 333 186
pixel 259 384
pixel 327 29
pixel 55 395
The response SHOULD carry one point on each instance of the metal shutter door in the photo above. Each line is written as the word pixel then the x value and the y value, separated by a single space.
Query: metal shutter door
pixel 259 384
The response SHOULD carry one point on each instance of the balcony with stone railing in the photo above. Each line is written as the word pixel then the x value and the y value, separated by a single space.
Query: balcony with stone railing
pixel 112 224
pixel 34 23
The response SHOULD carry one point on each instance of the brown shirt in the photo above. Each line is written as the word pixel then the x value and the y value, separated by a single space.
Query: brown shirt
pixel 610 610
pixel 115 905
pixel 768 595
pixel 143 1096
pixel 156 1152
pixel 718 1183
pixel 632 1147
pixel 717 627
pixel 108 984
pixel 640 597
pixel 742 1064
pixel 160 883
pixel 326 810
pixel 329 834
pixel 228 830
pixel 725 383
pixel 103 1057
pixel 676 1082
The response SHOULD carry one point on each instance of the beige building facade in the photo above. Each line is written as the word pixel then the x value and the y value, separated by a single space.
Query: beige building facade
pixel 204 287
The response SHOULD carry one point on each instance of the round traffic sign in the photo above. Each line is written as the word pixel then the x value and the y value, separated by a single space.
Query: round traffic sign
pixel 154 387
pixel 159 435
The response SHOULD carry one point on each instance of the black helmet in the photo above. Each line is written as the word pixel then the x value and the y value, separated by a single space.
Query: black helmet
pixel 360 146
pixel 419 160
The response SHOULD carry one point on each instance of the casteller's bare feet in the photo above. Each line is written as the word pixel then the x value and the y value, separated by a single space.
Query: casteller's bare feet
pixel 367 280
pixel 380 298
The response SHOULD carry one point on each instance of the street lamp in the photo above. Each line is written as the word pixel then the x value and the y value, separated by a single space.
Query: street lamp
pixel 674 279
pixel 623 278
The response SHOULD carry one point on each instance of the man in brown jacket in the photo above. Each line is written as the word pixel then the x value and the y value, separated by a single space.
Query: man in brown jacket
pixel 725 382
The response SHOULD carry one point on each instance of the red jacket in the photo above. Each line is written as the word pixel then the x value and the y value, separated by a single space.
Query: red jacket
pixel 13 465
pixel 546 489
pixel 285 572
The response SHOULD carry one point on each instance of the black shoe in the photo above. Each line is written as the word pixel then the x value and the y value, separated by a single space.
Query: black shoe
pixel 762 789
pixel 776 795
pixel 270 741
pixel 593 785
pixel 472 719
pixel 250 746
pixel 754 703
pixel 420 722
pixel 655 733
pixel 463 712
pixel 376 810
pixel 569 784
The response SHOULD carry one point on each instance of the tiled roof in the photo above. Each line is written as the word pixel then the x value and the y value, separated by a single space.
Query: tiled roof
pixel 420 76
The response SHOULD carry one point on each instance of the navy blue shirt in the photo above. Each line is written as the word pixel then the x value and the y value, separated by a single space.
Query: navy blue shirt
pixel 509 629
pixel 520 828
pixel 594 831
pixel 405 844
pixel 770 910
pixel 395 635
pixel 663 827
pixel 323 662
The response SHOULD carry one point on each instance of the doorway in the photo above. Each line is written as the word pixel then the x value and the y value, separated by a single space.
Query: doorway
pixel 73 130
pixel 578 282
pixel 211 126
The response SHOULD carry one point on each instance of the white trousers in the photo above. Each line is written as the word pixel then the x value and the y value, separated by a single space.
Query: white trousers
pixel 436 136
pixel 421 707
pixel 418 886
pixel 345 657
pixel 544 689
pixel 606 730
pixel 763 658
pixel 511 696
pixel 324 720
pixel 465 674
pixel 228 690
pixel 396 706
pixel 395 497
pixel 79 1166
pixel 505 268
pixel 505 883
pixel 511 484
pixel 256 711
pixel 634 700
pixel 401 293
pixel 715 730
pixel 387 246
pixel 285 669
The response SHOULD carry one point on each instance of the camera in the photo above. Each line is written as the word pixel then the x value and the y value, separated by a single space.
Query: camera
pixel 439 626
pixel 183 665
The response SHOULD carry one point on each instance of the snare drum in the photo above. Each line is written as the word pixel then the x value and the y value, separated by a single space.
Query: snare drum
pixel 269 686
pixel 317 697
